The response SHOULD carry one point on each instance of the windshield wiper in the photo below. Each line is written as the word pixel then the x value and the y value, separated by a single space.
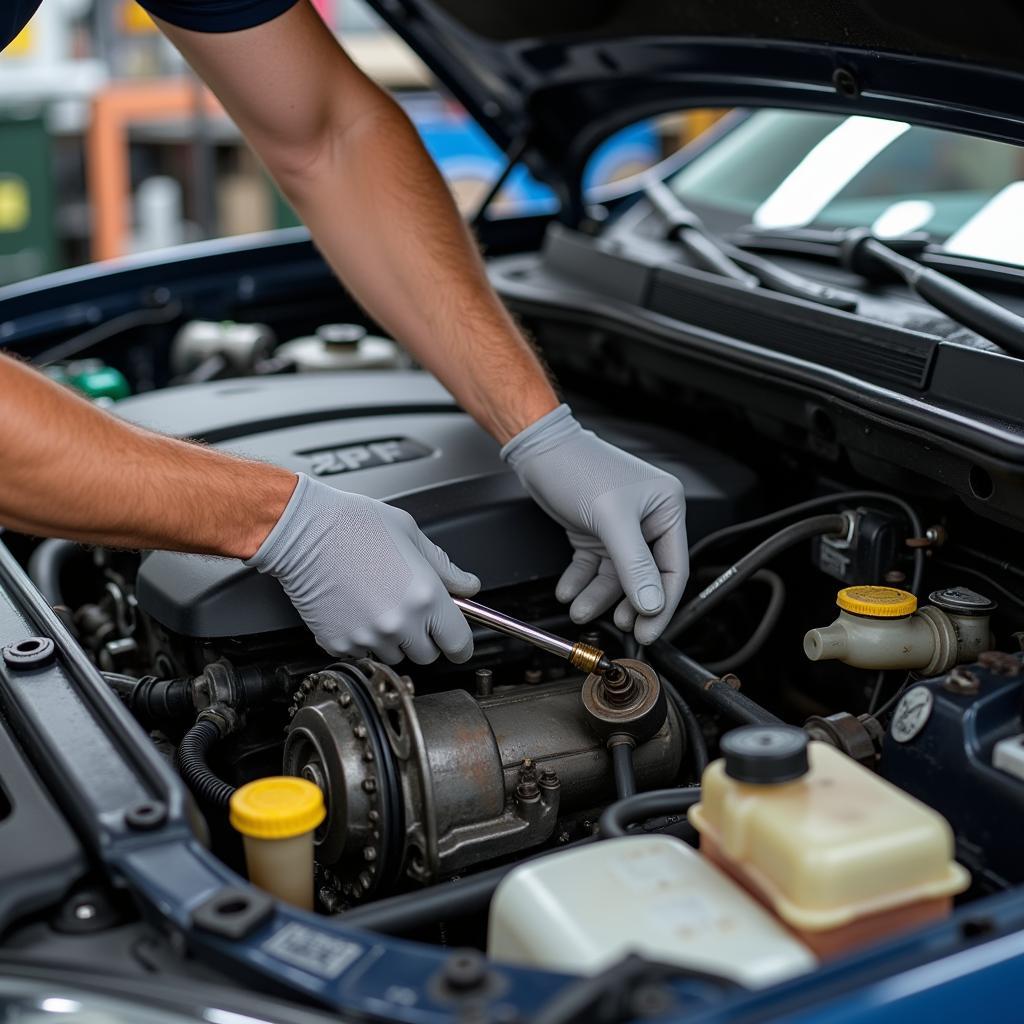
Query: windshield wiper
pixel 861 252
pixel 717 256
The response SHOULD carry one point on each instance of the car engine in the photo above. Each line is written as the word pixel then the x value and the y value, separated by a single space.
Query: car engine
pixel 460 774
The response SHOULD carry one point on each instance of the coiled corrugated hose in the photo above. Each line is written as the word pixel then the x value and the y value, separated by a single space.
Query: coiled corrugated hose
pixel 192 760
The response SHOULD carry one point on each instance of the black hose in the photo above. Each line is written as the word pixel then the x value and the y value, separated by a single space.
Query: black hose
pixel 728 532
pixel 695 742
pixel 462 897
pixel 695 681
pixel 192 760
pixel 765 628
pixel 617 819
pixel 728 581
pixel 399 915
pixel 622 768
pixel 46 563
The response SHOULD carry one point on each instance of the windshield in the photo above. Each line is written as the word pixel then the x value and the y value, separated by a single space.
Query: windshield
pixel 783 168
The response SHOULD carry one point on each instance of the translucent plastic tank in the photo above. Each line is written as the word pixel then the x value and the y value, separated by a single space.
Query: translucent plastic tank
pixel 582 910
pixel 840 855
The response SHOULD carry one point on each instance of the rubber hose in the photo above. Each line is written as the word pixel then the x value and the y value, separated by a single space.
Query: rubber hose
pixel 695 741
pixel 697 682
pixel 728 532
pixel 192 761
pixel 622 767
pixel 45 565
pixel 460 898
pixel 720 588
pixel 616 820
pixel 769 620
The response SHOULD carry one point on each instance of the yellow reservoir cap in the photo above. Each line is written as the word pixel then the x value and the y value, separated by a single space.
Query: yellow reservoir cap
pixel 877 602
pixel 277 807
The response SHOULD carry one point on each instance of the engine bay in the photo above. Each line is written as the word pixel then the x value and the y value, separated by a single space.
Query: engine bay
pixel 452 791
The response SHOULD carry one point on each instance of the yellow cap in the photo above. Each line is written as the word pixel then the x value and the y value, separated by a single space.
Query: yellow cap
pixel 277 807
pixel 877 602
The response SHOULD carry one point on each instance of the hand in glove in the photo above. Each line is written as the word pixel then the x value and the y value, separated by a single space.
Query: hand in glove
pixel 365 579
pixel 625 519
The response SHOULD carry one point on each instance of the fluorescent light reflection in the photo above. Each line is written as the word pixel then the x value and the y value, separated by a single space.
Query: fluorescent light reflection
pixel 826 170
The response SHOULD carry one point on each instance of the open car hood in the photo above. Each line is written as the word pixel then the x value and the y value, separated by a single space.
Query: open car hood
pixel 549 79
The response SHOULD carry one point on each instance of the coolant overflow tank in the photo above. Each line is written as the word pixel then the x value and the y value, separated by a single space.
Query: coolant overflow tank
pixel 882 628
pixel 843 857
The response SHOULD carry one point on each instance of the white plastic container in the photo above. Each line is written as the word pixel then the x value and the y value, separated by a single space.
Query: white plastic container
pixel 842 856
pixel 582 910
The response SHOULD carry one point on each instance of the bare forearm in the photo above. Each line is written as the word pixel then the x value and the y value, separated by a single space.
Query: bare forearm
pixel 399 244
pixel 353 166
pixel 72 470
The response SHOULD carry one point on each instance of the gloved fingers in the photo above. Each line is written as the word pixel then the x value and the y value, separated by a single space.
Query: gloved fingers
pixel 420 648
pixel 450 631
pixel 598 595
pixel 625 615
pixel 673 558
pixel 622 535
pixel 387 651
pixel 457 581
pixel 578 574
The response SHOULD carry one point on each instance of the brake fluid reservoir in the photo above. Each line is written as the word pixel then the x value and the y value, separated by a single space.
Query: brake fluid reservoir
pixel 581 910
pixel 840 855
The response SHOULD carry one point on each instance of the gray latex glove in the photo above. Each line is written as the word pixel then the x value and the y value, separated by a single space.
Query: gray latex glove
pixel 625 518
pixel 365 579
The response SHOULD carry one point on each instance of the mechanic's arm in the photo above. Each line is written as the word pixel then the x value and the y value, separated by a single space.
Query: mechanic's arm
pixel 361 574
pixel 352 165
pixel 350 162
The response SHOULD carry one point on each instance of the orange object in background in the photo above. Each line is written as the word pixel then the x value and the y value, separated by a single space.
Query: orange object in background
pixel 108 177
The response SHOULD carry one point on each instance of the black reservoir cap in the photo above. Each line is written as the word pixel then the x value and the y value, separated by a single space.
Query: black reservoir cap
pixel 765 754
pixel 962 601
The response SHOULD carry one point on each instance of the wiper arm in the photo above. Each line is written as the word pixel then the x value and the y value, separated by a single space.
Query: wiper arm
pixel 858 250
pixel 717 256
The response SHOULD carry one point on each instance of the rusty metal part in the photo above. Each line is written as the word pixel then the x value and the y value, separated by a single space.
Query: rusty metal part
pixel 1000 662
pixel 630 701
pixel 859 738
pixel 478 778
pixel 962 680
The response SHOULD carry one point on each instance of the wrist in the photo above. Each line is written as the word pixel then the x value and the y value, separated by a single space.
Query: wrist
pixel 543 434
pixel 511 423
pixel 267 499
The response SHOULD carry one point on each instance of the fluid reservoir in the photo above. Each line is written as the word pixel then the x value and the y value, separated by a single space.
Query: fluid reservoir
pixel 882 628
pixel 581 910
pixel 840 855
pixel 342 347
pixel 277 817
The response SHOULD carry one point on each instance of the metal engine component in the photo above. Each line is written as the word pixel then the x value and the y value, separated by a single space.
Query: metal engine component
pixel 426 787
pixel 628 701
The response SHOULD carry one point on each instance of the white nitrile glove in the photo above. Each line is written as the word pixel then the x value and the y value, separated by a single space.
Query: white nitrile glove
pixel 626 521
pixel 365 579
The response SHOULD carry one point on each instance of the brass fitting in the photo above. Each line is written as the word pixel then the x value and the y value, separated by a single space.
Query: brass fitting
pixel 585 657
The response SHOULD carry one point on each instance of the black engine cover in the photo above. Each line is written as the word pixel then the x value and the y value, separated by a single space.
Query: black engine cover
pixel 397 436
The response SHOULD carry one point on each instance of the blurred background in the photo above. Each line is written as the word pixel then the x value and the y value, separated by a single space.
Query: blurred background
pixel 110 146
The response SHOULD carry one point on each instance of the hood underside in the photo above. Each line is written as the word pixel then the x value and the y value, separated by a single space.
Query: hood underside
pixel 549 80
